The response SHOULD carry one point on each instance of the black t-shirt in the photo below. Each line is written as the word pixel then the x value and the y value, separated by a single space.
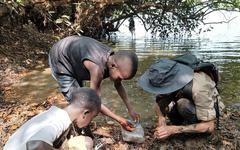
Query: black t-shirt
pixel 68 54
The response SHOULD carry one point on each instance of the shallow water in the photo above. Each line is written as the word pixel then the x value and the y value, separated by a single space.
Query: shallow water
pixel 37 85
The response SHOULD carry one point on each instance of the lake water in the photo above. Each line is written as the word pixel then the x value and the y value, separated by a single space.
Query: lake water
pixel 38 84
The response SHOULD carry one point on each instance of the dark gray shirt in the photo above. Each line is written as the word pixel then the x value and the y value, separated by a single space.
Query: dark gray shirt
pixel 68 54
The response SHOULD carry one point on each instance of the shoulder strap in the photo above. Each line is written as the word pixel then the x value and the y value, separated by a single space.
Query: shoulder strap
pixel 210 69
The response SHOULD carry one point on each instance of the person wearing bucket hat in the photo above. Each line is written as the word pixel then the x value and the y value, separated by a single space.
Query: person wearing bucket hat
pixel 184 96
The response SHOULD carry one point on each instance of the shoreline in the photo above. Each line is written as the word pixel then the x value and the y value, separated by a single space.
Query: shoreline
pixel 20 52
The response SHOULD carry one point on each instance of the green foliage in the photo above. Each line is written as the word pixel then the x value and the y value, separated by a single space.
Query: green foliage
pixel 193 2
pixel 98 18
pixel 175 17
pixel 21 2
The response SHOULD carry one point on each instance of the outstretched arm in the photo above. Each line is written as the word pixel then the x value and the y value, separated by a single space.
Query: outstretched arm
pixel 122 121
pixel 96 78
pixel 202 127
pixel 163 131
pixel 122 93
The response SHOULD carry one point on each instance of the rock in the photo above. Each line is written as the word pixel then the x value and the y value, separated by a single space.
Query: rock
pixel 235 106
pixel 136 136
pixel 110 122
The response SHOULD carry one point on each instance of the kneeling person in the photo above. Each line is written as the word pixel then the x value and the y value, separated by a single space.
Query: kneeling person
pixel 43 130
pixel 186 97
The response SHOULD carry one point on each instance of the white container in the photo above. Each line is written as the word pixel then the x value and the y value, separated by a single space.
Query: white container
pixel 136 136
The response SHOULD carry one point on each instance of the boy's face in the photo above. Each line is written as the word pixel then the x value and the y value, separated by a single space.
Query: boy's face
pixel 85 118
pixel 115 74
pixel 121 71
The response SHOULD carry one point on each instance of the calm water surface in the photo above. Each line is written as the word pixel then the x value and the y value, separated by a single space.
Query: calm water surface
pixel 38 84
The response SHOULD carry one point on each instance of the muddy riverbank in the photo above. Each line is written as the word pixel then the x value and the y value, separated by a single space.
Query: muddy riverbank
pixel 14 115
pixel 22 50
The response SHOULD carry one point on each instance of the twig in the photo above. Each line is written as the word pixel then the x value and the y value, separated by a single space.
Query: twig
pixel 5 53
pixel 220 22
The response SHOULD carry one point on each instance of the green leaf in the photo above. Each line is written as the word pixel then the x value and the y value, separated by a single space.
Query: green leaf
pixel 21 2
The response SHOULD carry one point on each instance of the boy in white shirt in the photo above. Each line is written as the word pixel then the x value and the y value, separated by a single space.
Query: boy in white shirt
pixel 42 131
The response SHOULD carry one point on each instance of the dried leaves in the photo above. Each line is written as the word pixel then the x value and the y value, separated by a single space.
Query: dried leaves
pixel 14 115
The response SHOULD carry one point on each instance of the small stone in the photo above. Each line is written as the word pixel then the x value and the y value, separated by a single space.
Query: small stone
pixel 110 122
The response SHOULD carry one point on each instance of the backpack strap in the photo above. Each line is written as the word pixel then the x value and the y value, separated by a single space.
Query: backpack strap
pixel 185 92
pixel 210 69
pixel 216 107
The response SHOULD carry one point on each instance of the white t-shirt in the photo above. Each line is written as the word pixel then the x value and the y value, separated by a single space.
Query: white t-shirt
pixel 46 127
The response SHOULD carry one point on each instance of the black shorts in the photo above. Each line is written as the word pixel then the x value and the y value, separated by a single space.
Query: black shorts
pixel 66 83
pixel 181 112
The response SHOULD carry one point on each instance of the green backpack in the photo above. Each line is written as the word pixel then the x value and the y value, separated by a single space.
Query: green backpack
pixel 198 65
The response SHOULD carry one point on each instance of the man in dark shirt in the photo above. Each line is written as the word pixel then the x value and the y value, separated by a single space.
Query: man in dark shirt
pixel 78 58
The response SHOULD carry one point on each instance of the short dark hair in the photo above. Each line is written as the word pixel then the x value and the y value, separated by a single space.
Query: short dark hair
pixel 120 55
pixel 86 98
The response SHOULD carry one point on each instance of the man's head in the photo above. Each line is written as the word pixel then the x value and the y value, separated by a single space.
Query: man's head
pixel 123 65
pixel 165 76
pixel 85 105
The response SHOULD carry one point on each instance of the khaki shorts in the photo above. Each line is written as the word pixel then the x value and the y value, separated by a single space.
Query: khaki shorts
pixel 204 96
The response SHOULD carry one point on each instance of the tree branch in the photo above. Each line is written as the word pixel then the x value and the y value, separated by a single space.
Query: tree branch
pixel 145 27
pixel 220 22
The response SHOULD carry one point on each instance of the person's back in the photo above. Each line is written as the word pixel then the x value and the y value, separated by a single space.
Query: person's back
pixel 47 130
pixel 68 54
pixel 54 121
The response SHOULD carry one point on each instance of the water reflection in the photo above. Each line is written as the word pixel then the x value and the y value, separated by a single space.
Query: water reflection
pixel 226 55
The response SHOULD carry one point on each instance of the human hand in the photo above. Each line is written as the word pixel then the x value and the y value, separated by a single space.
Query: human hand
pixel 135 116
pixel 164 132
pixel 126 125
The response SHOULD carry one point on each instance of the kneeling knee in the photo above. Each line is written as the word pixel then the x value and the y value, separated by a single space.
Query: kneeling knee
pixel 182 103
pixel 185 106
